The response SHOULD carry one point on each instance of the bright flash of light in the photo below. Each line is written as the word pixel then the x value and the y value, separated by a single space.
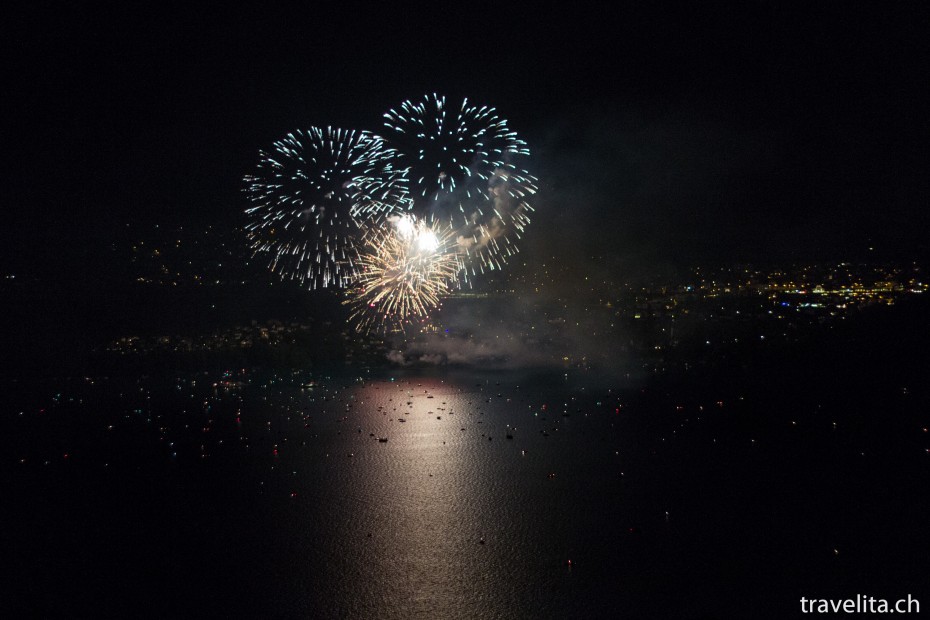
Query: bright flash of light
pixel 427 241
pixel 404 226
pixel 404 270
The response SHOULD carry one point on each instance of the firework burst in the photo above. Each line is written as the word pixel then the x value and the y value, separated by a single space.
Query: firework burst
pixel 308 195
pixel 404 271
pixel 491 238
pixel 459 164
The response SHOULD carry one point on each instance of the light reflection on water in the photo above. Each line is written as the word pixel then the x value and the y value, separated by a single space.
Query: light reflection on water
pixel 242 500
pixel 235 495
pixel 440 521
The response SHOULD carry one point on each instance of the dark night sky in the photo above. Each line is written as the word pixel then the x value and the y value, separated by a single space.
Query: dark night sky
pixel 732 132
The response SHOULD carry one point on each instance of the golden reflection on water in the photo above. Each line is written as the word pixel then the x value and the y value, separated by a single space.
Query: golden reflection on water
pixel 431 484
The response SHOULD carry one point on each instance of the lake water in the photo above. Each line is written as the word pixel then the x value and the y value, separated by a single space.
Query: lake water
pixel 263 495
